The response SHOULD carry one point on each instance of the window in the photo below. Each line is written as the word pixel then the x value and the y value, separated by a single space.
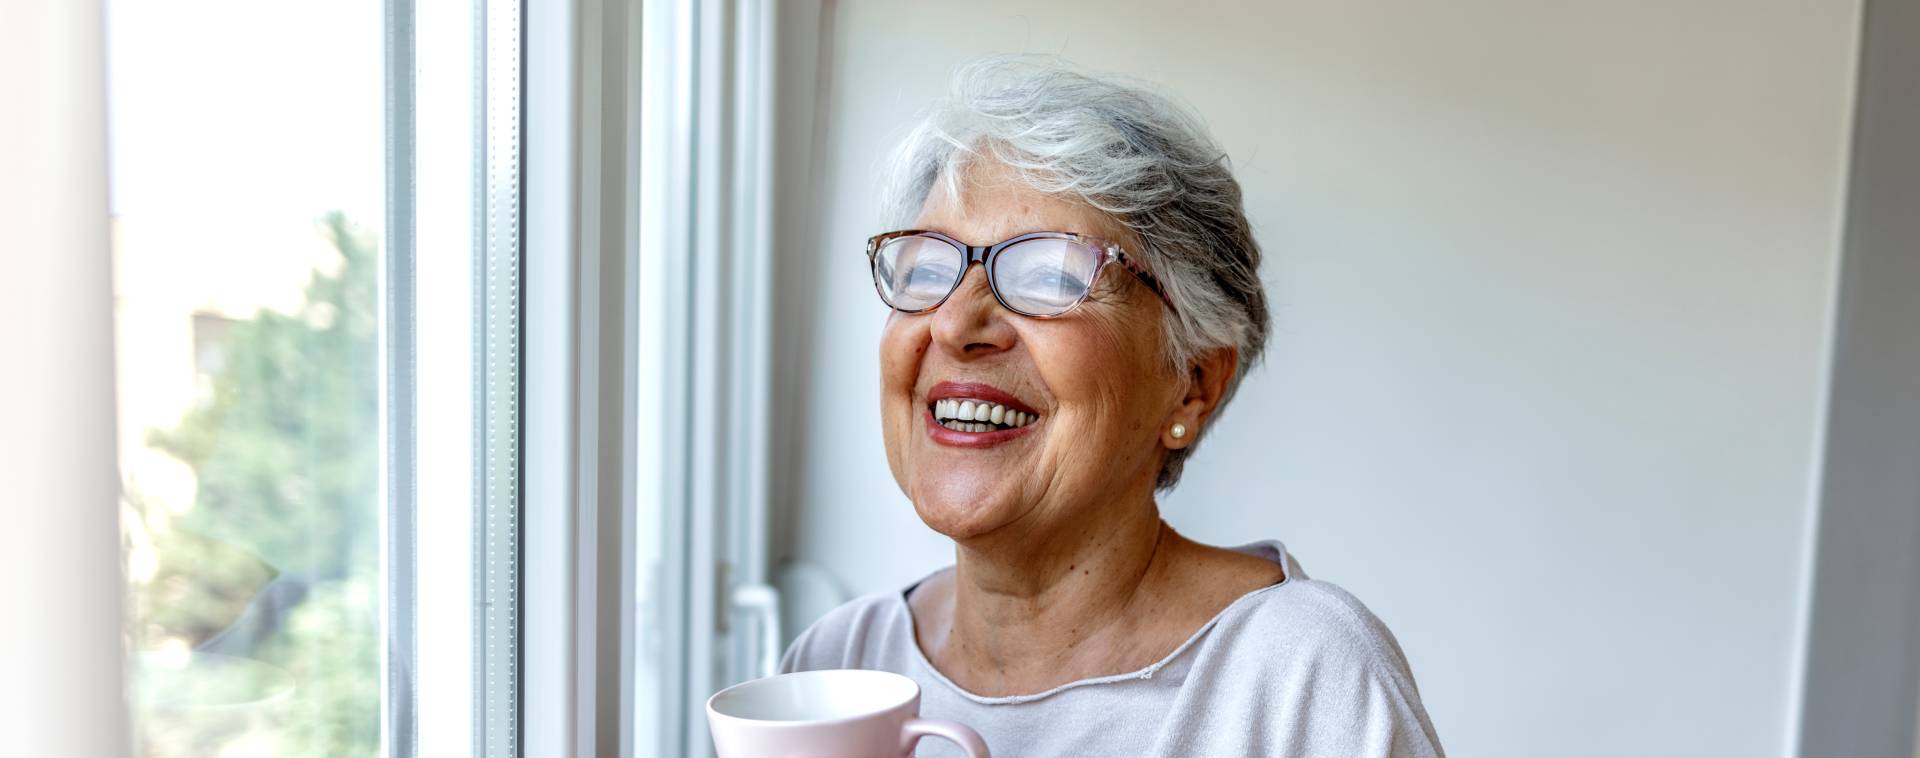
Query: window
pixel 413 466
pixel 291 266
pixel 246 202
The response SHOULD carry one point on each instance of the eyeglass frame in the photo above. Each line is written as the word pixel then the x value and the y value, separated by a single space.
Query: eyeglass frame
pixel 985 255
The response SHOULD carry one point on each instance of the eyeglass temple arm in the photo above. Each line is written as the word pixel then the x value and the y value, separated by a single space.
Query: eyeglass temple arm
pixel 1146 277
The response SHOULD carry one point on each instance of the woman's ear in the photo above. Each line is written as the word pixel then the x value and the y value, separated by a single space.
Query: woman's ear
pixel 1207 381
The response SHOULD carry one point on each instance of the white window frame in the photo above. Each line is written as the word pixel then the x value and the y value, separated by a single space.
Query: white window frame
pixel 446 189
pixel 453 305
pixel 705 332
pixel 645 487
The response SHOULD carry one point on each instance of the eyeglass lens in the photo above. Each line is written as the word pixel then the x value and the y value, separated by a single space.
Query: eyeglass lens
pixel 1036 277
pixel 915 273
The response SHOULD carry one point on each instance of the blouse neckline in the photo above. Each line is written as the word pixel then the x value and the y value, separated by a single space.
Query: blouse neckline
pixel 1260 549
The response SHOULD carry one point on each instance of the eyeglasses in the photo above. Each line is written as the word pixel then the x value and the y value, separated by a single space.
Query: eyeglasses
pixel 1042 275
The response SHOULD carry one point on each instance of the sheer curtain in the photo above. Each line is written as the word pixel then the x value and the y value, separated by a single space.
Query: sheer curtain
pixel 59 553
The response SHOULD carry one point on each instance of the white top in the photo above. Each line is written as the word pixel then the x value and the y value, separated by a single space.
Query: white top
pixel 1295 669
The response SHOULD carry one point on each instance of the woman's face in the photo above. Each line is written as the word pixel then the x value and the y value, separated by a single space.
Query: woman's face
pixel 1094 378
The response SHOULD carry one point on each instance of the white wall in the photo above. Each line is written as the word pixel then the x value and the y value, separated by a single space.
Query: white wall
pixel 1552 289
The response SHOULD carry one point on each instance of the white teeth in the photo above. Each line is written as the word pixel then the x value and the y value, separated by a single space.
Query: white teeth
pixel 978 415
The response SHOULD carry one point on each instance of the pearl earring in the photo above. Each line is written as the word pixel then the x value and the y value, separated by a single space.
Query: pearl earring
pixel 1179 431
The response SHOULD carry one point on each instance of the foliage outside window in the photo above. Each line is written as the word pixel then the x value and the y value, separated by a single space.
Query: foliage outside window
pixel 254 608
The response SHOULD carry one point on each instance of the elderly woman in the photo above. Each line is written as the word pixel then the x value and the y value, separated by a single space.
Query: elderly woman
pixel 1034 404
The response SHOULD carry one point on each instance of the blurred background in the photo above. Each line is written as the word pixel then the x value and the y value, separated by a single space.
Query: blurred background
pixel 500 378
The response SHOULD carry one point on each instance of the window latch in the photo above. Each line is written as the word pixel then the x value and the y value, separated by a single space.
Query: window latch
pixel 762 603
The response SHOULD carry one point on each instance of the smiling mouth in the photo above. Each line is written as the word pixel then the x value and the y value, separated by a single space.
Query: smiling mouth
pixel 978 416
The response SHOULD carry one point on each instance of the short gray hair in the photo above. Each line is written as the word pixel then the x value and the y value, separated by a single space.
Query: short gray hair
pixel 1127 150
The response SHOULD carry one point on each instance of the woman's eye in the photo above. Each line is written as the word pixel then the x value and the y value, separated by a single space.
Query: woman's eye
pixel 1052 282
pixel 929 277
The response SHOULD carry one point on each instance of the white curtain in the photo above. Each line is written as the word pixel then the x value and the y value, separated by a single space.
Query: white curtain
pixel 60 630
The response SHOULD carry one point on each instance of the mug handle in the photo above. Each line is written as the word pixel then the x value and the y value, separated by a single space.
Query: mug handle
pixel 953 731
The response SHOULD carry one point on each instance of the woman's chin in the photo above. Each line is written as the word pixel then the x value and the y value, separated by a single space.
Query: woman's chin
pixel 961 518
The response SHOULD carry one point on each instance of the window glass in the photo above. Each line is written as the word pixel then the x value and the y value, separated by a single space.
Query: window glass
pixel 247 177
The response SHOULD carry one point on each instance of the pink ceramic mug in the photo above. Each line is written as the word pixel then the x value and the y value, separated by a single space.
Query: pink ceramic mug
pixel 844 713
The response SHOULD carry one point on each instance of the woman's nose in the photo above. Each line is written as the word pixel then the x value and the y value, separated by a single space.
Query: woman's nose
pixel 971 322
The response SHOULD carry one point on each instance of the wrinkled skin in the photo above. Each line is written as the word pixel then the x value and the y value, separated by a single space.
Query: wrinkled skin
pixel 1059 542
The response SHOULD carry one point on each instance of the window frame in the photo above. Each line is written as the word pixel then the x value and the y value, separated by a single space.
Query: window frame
pixel 597 484
pixel 398 410
pixel 466 289
pixel 704 329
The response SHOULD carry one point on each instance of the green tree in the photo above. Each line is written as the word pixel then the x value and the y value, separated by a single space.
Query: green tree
pixel 285 455
pixel 285 450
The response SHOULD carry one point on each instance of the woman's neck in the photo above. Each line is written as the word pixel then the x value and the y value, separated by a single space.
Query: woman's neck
pixel 1032 611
